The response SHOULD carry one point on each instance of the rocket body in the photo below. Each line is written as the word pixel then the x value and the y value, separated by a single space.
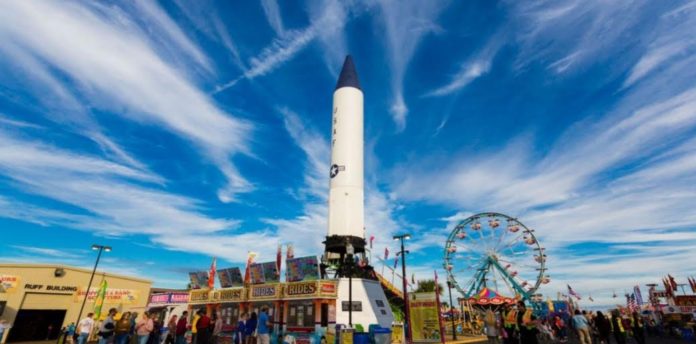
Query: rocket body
pixel 346 191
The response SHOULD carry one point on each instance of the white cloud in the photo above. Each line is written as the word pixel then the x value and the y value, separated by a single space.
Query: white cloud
pixel 275 20
pixel 405 23
pixel 117 69
pixel 326 23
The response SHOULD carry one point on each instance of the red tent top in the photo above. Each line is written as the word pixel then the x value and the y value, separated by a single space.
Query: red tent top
pixel 490 297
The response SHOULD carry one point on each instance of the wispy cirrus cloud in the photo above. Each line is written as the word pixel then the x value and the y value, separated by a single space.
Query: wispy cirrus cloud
pixel 115 68
pixel 406 24
pixel 275 20
pixel 330 19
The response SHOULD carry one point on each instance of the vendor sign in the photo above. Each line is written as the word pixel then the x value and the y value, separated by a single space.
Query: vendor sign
pixel 425 325
pixel 229 295
pixel 9 283
pixel 199 279
pixel 231 277
pixel 168 298
pixel 262 292
pixel 112 296
pixel 302 269
pixel 199 296
pixel 264 273
pixel 313 289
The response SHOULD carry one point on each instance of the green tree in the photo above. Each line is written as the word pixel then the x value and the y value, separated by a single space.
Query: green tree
pixel 428 286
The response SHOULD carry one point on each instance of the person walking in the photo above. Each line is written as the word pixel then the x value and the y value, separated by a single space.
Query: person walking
pixel 250 329
pixel 194 328
pixel 143 328
pixel 603 328
pixel 107 328
pixel 617 327
pixel 85 327
pixel 582 327
pixel 123 327
pixel 171 330
pixel 638 328
pixel 217 327
pixel 181 328
pixel 263 329
pixel 203 328
pixel 239 332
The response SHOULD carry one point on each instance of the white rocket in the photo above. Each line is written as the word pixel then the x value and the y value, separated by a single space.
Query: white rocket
pixel 346 193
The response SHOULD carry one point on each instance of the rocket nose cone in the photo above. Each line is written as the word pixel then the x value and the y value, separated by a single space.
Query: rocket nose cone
pixel 348 77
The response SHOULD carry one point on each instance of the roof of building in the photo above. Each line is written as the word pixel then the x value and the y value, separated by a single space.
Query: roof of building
pixel 67 267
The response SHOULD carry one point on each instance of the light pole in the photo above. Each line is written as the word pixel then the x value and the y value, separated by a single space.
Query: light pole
pixel 350 251
pixel 101 249
pixel 407 318
pixel 454 330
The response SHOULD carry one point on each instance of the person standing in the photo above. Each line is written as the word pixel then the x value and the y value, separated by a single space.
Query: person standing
pixel 181 327
pixel 263 329
pixel 194 327
pixel 107 327
pixel 510 325
pixel 490 324
pixel 123 327
pixel 617 327
pixel 638 328
pixel 203 328
pixel 240 331
pixel 85 327
pixel 217 327
pixel 143 328
pixel 603 328
pixel 250 328
pixel 171 330
pixel 582 327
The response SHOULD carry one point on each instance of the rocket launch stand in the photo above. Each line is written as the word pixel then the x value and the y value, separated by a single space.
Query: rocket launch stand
pixel 361 299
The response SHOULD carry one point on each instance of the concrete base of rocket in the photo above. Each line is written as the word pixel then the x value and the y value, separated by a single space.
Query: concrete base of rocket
pixel 370 304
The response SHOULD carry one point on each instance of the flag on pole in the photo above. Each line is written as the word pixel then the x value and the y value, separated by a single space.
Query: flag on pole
pixel 572 292
pixel 638 295
pixel 590 298
pixel 290 252
pixel 247 272
pixel 211 274
pixel 413 279
pixel 279 259
pixel 372 238
pixel 396 261
pixel 672 282
pixel 386 253
pixel 99 299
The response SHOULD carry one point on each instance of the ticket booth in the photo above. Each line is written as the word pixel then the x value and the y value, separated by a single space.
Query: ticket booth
pixel 310 309
pixel 229 305
pixel 269 295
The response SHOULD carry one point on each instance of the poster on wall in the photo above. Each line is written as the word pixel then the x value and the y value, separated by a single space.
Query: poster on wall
pixel 302 269
pixel 199 279
pixel 230 277
pixel 264 273
pixel 8 283
pixel 112 296
pixel 424 318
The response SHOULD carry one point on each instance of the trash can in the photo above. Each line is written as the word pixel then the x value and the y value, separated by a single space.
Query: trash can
pixel 345 335
pixel 380 335
pixel 361 338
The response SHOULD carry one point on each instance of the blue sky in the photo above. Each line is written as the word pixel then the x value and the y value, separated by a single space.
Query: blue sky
pixel 183 130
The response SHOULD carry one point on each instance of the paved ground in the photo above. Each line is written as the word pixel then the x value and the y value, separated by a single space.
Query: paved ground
pixel 575 341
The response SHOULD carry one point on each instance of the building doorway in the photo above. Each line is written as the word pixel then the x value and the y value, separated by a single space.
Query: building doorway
pixel 32 325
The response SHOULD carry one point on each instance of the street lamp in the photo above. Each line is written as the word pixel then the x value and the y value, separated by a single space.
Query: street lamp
pixel 407 318
pixel 100 248
pixel 350 250
pixel 454 330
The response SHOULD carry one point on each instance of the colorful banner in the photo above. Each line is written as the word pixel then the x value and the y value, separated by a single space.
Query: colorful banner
pixel 199 279
pixel 264 273
pixel 111 296
pixel 9 283
pixel 302 269
pixel 168 298
pixel 230 277
pixel 425 324
pixel 99 300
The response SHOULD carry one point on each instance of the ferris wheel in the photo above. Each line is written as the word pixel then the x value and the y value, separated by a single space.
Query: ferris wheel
pixel 497 252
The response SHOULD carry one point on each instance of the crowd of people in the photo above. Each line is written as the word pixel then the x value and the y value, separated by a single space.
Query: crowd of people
pixel 180 329
pixel 517 324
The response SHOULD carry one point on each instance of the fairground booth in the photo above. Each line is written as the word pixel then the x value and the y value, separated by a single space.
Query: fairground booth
pixel 303 306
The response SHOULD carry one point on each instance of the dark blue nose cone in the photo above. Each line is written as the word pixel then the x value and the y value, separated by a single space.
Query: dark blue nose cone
pixel 348 77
